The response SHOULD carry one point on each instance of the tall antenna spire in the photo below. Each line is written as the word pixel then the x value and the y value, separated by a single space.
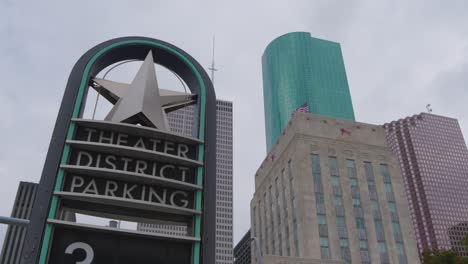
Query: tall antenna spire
pixel 212 68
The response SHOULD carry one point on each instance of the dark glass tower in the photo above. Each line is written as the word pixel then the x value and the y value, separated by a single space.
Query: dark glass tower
pixel 434 162
pixel 298 69
pixel 242 251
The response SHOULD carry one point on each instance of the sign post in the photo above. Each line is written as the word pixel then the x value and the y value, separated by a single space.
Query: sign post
pixel 128 166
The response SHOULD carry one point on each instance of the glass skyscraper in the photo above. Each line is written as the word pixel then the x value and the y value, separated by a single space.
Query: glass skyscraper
pixel 242 251
pixel 298 69
pixel 434 162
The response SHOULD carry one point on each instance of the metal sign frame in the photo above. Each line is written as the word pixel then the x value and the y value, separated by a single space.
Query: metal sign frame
pixel 37 241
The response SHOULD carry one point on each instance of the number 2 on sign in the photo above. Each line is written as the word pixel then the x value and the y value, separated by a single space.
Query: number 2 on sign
pixel 86 247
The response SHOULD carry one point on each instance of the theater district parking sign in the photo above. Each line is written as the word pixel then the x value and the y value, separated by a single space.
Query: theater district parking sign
pixel 128 166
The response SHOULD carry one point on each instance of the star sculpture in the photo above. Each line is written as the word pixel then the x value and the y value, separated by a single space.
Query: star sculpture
pixel 141 102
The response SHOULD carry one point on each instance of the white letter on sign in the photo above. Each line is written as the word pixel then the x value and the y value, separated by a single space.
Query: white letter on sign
pixel 76 182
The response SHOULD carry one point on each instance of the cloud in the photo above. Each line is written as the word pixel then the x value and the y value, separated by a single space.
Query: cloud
pixel 449 93
pixel 399 56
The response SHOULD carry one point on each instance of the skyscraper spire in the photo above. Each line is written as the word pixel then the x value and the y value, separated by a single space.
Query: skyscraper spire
pixel 212 68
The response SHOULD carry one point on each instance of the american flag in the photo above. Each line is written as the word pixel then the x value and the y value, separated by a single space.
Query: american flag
pixel 302 109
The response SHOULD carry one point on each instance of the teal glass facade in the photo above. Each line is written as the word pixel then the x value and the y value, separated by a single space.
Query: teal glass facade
pixel 298 68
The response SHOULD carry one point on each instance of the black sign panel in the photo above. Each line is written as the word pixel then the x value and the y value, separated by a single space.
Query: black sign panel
pixel 91 247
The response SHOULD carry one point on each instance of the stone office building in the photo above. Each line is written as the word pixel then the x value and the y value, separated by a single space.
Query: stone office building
pixel 331 191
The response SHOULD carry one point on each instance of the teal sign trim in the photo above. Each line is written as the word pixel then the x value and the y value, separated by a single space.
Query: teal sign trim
pixel 66 151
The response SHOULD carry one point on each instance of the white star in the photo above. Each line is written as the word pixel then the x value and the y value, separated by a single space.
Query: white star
pixel 142 101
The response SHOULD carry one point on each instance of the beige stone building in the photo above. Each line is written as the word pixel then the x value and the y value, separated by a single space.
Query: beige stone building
pixel 330 191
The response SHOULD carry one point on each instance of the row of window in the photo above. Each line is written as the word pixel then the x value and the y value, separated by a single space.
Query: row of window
pixel 225 109
pixel 378 224
pixel 263 233
pixel 358 214
pixel 285 217
pixel 278 218
pixel 340 217
pixel 320 206
pixel 400 248
pixel 265 225
pixel 294 208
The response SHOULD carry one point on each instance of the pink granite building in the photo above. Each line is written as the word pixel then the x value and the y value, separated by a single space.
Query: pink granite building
pixel 433 158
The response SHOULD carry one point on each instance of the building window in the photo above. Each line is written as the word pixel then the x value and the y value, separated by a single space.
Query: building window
pixel 363 245
pixel 388 187
pixel 351 168
pixel 344 248
pixel 397 235
pixel 255 222
pixel 338 201
pixel 340 221
pixel 379 228
pixel 400 248
pixel 382 247
pixel 324 248
pixel 324 242
pixel 396 228
pixel 356 203
pixel 293 206
pixel 316 163
pixel 260 230
pixel 321 219
pixel 320 199
pixel 359 216
pixel 265 215
pixel 333 166
pixel 344 243
pixel 368 170
pixel 270 196
pixel 384 170
pixel 295 236
pixel 285 207
pixel 320 205
pixel 365 258
pixel 335 181
pixel 360 223
pixel 278 215
pixel 353 182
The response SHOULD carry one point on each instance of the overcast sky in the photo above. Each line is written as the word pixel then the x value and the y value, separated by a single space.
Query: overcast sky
pixel 399 56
